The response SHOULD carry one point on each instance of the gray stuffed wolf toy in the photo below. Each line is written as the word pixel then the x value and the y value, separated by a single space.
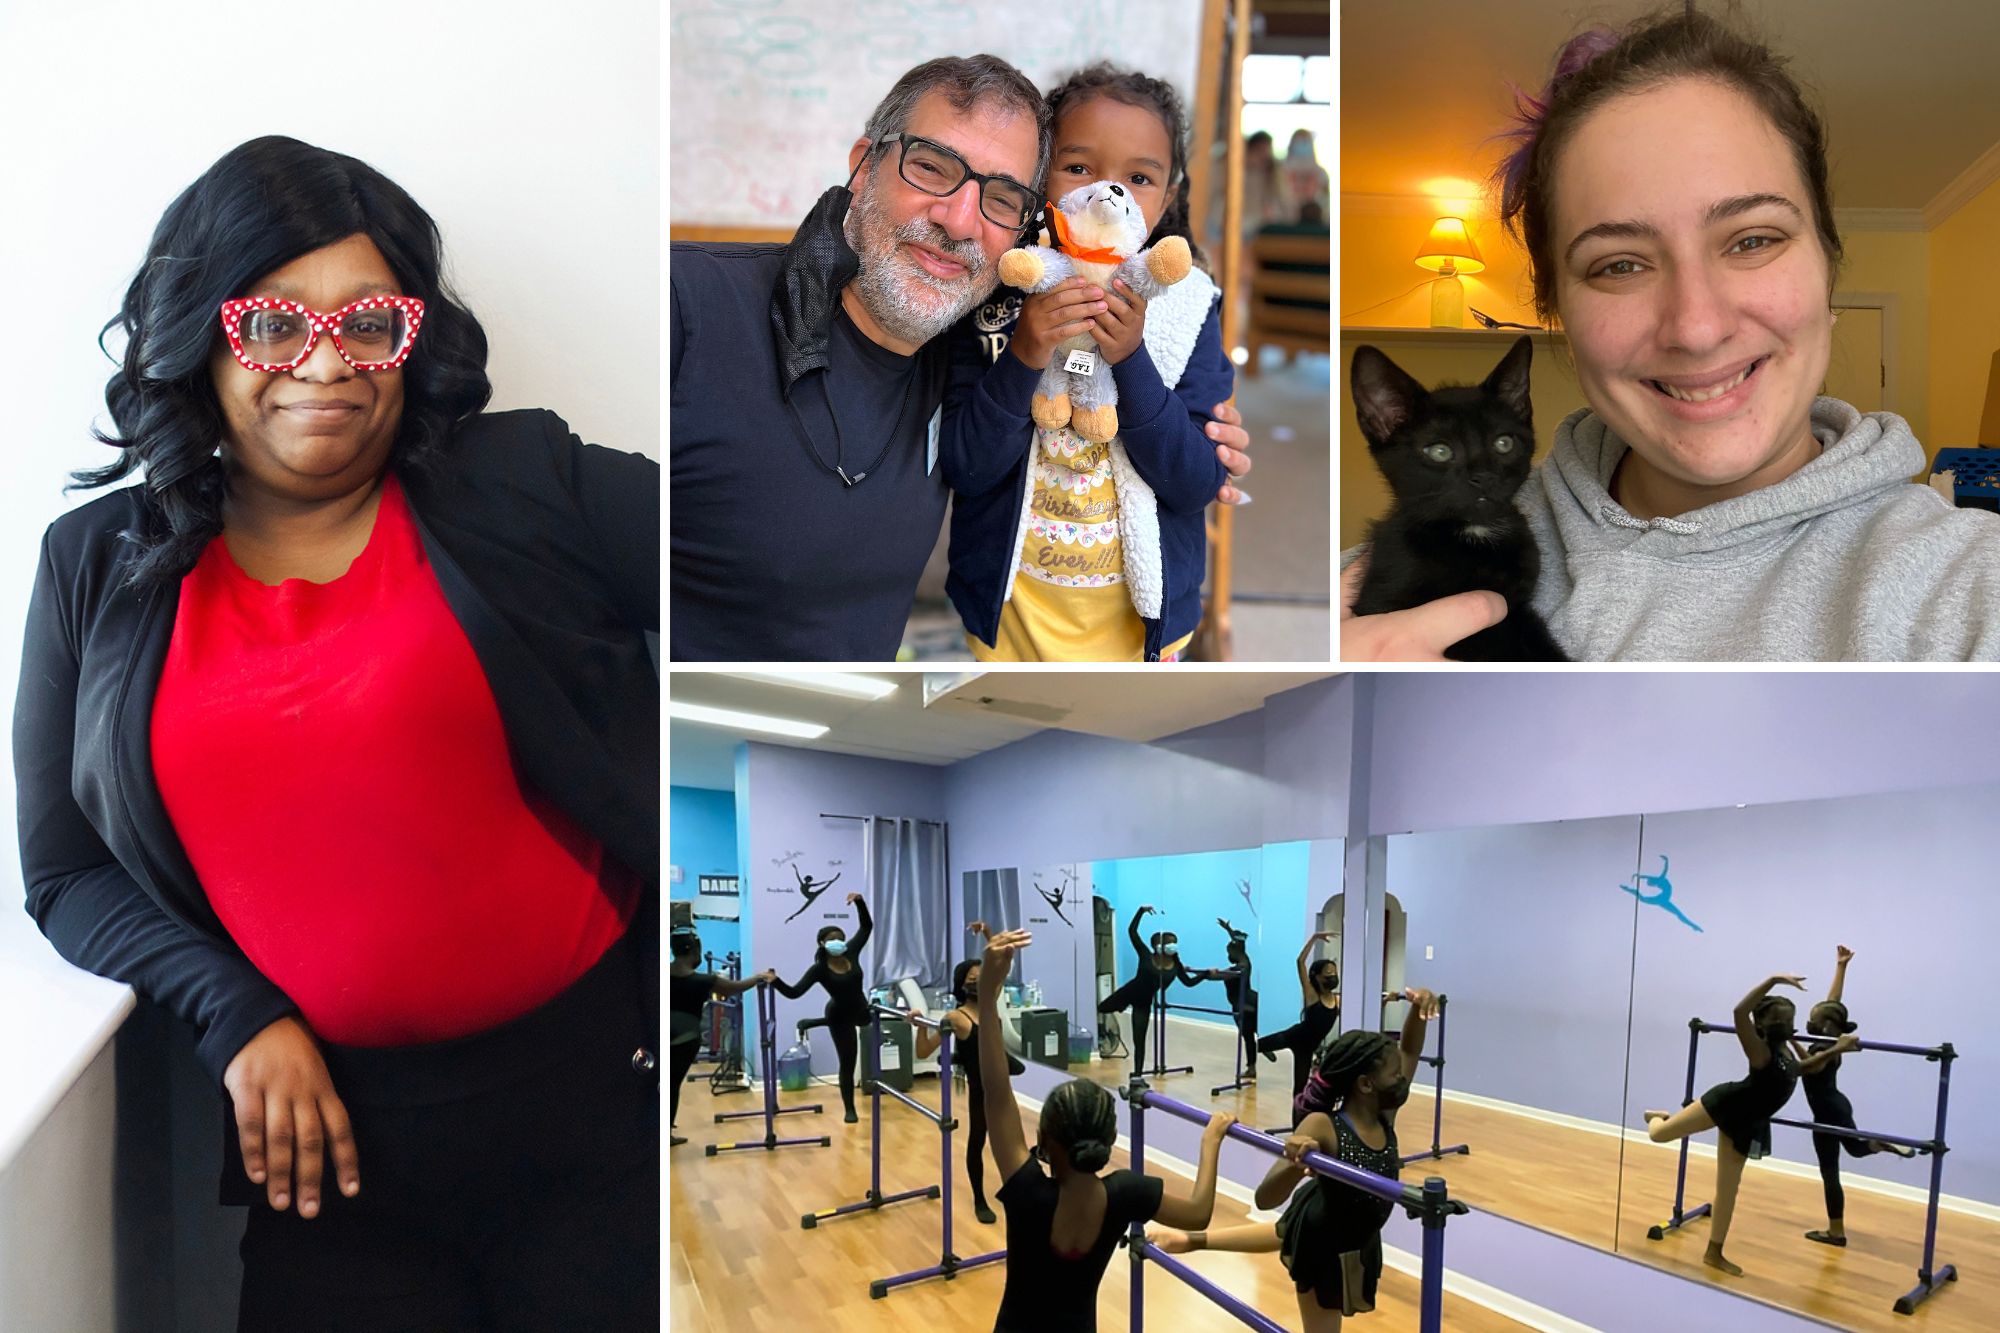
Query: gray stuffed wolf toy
pixel 1100 231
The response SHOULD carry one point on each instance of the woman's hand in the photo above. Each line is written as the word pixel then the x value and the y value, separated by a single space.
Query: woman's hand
pixel 853 898
pixel 979 928
pixel 768 975
pixel 288 1117
pixel 1419 634
pixel 999 957
pixel 1785 979
pixel 1232 447
pixel 1063 311
pixel 1845 1042
pixel 1322 934
pixel 1121 326
pixel 1842 954
pixel 1425 1002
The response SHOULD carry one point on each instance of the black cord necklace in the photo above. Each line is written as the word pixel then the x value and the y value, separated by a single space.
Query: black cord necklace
pixel 838 467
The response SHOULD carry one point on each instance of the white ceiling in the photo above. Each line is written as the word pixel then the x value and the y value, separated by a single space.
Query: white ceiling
pixel 983 712
pixel 1910 89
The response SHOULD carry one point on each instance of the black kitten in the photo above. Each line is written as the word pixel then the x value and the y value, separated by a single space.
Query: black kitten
pixel 1454 458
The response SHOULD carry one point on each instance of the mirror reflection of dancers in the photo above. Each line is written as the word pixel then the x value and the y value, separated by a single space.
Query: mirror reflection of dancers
pixel 836 967
pixel 1742 1110
pixel 1330 1236
pixel 964 1024
pixel 1159 964
pixel 687 992
pixel 1831 1107
pixel 1235 981
pixel 1064 1220
pixel 810 889
pixel 1319 989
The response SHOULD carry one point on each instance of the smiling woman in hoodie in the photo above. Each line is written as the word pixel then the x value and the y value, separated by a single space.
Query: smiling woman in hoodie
pixel 1670 187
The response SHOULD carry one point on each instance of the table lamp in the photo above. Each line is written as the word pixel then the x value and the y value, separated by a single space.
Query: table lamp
pixel 1448 251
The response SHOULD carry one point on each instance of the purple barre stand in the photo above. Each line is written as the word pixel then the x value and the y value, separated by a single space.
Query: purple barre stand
pixel 949 1265
pixel 1436 1062
pixel 767 1058
pixel 1428 1202
pixel 1238 1080
pixel 1929 1277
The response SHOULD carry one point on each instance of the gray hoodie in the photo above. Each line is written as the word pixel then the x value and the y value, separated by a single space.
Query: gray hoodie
pixel 1844 560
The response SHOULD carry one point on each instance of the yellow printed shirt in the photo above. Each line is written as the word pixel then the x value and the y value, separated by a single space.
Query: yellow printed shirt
pixel 1069 601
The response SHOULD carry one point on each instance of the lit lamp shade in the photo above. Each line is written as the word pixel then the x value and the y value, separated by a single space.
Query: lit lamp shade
pixel 1448 251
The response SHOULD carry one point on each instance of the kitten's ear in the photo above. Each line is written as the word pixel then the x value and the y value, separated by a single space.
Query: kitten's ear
pixel 1509 380
pixel 1384 396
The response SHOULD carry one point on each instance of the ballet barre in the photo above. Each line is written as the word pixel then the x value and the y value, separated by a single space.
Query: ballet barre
pixel 1436 1062
pixel 1236 1032
pixel 767 1055
pixel 1427 1202
pixel 1929 1277
pixel 949 1265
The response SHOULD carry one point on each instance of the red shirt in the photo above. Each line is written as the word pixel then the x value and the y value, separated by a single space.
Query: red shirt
pixel 335 765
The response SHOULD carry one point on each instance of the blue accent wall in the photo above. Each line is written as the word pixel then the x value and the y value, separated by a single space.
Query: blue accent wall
pixel 701 840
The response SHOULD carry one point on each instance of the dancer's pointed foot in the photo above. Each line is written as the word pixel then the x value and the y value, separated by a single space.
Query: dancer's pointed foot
pixel 1827 1238
pixel 1713 1258
pixel 982 1212
pixel 850 1117
pixel 675 1140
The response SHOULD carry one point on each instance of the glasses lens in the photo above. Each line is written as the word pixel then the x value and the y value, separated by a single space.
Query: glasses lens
pixel 371 336
pixel 930 168
pixel 274 337
pixel 1007 204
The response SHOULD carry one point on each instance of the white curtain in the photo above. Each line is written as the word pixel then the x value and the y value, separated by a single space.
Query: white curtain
pixel 903 861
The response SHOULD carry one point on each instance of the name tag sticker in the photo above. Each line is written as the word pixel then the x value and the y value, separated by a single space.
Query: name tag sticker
pixel 1081 362
pixel 937 422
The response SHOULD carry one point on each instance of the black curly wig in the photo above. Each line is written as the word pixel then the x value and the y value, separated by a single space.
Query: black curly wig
pixel 262 205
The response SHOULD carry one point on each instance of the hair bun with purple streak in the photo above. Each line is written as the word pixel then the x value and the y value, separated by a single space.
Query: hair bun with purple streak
pixel 1531 109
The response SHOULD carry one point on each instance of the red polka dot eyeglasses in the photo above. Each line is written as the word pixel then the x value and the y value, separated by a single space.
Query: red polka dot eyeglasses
pixel 273 334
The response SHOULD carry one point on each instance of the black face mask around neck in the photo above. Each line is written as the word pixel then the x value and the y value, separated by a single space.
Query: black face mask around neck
pixel 818 263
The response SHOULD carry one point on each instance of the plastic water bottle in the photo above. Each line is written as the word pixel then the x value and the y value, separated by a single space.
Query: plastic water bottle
pixel 1080 1046
pixel 795 1067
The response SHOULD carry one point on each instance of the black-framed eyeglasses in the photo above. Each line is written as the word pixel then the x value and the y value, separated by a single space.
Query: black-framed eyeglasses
pixel 936 170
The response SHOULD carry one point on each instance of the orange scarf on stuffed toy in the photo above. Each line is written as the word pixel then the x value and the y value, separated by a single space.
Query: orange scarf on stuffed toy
pixel 1065 243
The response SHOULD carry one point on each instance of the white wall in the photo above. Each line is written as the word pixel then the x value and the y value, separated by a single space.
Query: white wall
pixel 530 131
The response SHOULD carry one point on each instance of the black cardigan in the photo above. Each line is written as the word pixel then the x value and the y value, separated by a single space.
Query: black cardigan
pixel 548 553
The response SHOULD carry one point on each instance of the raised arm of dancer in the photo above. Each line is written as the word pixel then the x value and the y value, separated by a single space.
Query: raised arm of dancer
pixel 1842 956
pixel 1314 1134
pixel 1004 1138
pixel 1132 931
pixel 1746 1031
pixel 1825 1055
pixel 861 932
pixel 1194 1211
pixel 1423 1008
pixel 1305 980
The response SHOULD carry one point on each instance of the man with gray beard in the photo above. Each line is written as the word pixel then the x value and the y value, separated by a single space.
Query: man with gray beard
pixel 807 379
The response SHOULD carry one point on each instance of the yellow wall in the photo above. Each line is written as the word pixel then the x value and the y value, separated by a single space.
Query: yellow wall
pixel 1964 318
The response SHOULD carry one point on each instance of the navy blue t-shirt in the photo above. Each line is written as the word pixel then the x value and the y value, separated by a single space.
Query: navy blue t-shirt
pixel 773 556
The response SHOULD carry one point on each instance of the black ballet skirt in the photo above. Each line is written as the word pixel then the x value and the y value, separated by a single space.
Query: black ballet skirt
pixel 1330 1236
pixel 1742 1110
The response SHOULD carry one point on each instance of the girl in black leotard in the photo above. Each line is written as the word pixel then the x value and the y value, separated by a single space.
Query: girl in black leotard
pixel 1061 1230
pixel 1159 964
pixel 1236 984
pixel 1319 989
pixel 1742 1110
pixel 687 991
pixel 1330 1236
pixel 964 1024
pixel 837 967
pixel 1830 1105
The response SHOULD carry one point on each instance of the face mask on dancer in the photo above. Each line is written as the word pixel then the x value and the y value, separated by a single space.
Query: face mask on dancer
pixel 836 947
pixel 1394 1095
